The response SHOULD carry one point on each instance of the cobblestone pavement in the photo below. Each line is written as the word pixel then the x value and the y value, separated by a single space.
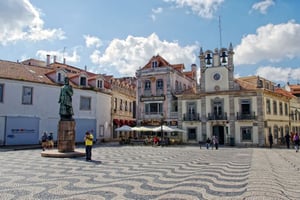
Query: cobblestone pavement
pixel 142 172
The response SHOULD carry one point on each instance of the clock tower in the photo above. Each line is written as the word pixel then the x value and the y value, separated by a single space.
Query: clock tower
pixel 216 70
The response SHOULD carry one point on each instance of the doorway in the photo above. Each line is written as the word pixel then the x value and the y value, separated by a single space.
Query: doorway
pixel 219 132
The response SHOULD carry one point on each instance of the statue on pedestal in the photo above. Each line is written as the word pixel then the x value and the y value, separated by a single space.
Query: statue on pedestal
pixel 65 100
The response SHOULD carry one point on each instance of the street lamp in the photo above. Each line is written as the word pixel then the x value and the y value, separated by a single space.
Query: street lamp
pixel 161 126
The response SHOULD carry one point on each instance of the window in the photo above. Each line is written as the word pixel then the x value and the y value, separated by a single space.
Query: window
pixel 27 95
pixel 159 84
pixel 147 85
pixel 191 111
pixel 154 64
pixel 1 92
pixel 280 108
pixel 121 104
pixel 268 106
pixel 126 106
pixel 259 83
pixel 83 81
pixel 217 108
pixel 286 111
pixel 153 108
pixel 115 104
pixel 275 107
pixel 245 107
pixel 130 106
pixel 176 85
pixel 59 78
pixel 99 84
pixel 246 133
pixel 85 103
pixel 174 107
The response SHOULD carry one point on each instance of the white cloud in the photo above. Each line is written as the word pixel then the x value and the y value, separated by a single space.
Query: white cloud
pixel 278 74
pixel 263 6
pixel 73 57
pixel 271 42
pixel 91 41
pixel 203 8
pixel 126 56
pixel 20 20
pixel 155 12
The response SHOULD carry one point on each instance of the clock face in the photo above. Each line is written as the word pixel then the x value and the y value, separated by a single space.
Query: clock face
pixel 217 76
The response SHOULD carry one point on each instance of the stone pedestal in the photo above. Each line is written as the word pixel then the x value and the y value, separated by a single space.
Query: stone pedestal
pixel 66 136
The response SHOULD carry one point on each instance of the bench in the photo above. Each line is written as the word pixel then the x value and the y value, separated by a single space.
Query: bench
pixel 202 143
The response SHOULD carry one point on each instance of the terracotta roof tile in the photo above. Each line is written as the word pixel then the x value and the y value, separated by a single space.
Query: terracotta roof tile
pixel 19 71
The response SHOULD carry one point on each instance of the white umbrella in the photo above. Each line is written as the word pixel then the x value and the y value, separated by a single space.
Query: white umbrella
pixel 141 128
pixel 124 128
pixel 163 128
pixel 179 130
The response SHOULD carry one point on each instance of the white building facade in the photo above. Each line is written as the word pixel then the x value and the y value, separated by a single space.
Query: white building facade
pixel 29 104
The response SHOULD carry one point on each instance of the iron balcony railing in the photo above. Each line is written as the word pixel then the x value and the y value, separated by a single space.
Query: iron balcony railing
pixel 191 117
pixel 243 116
pixel 213 116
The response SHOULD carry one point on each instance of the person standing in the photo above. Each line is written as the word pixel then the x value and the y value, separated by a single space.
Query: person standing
pixel 287 140
pixel 89 139
pixel 50 141
pixel 216 142
pixel 270 140
pixel 207 143
pixel 296 141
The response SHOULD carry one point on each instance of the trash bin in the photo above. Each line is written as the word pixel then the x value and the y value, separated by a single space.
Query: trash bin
pixel 231 142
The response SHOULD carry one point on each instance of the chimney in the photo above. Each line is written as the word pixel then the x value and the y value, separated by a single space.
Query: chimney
pixel 194 70
pixel 54 59
pixel 85 67
pixel 48 60
pixel 64 61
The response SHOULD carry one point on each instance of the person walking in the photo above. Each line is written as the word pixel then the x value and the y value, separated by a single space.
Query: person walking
pixel 270 140
pixel 287 140
pixel 207 143
pixel 89 139
pixel 296 141
pixel 216 143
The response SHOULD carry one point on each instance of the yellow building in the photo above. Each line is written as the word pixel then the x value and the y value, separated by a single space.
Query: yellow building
pixel 241 111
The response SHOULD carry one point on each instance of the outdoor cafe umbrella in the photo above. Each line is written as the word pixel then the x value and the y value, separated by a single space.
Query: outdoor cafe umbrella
pixel 124 128
pixel 163 128
pixel 179 130
pixel 141 128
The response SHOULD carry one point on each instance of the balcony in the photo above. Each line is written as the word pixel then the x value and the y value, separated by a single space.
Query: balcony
pixel 191 117
pixel 213 116
pixel 250 116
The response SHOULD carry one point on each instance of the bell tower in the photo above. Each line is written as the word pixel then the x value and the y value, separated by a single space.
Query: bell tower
pixel 216 70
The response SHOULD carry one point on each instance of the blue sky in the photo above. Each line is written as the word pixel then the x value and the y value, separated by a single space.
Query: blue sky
pixel 116 37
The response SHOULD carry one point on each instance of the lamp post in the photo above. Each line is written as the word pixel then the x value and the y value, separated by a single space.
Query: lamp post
pixel 161 126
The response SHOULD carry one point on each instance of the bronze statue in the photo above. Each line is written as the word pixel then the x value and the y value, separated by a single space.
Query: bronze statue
pixel 65 100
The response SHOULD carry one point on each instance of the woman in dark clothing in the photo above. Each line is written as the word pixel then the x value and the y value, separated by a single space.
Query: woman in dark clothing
pixel 270 140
